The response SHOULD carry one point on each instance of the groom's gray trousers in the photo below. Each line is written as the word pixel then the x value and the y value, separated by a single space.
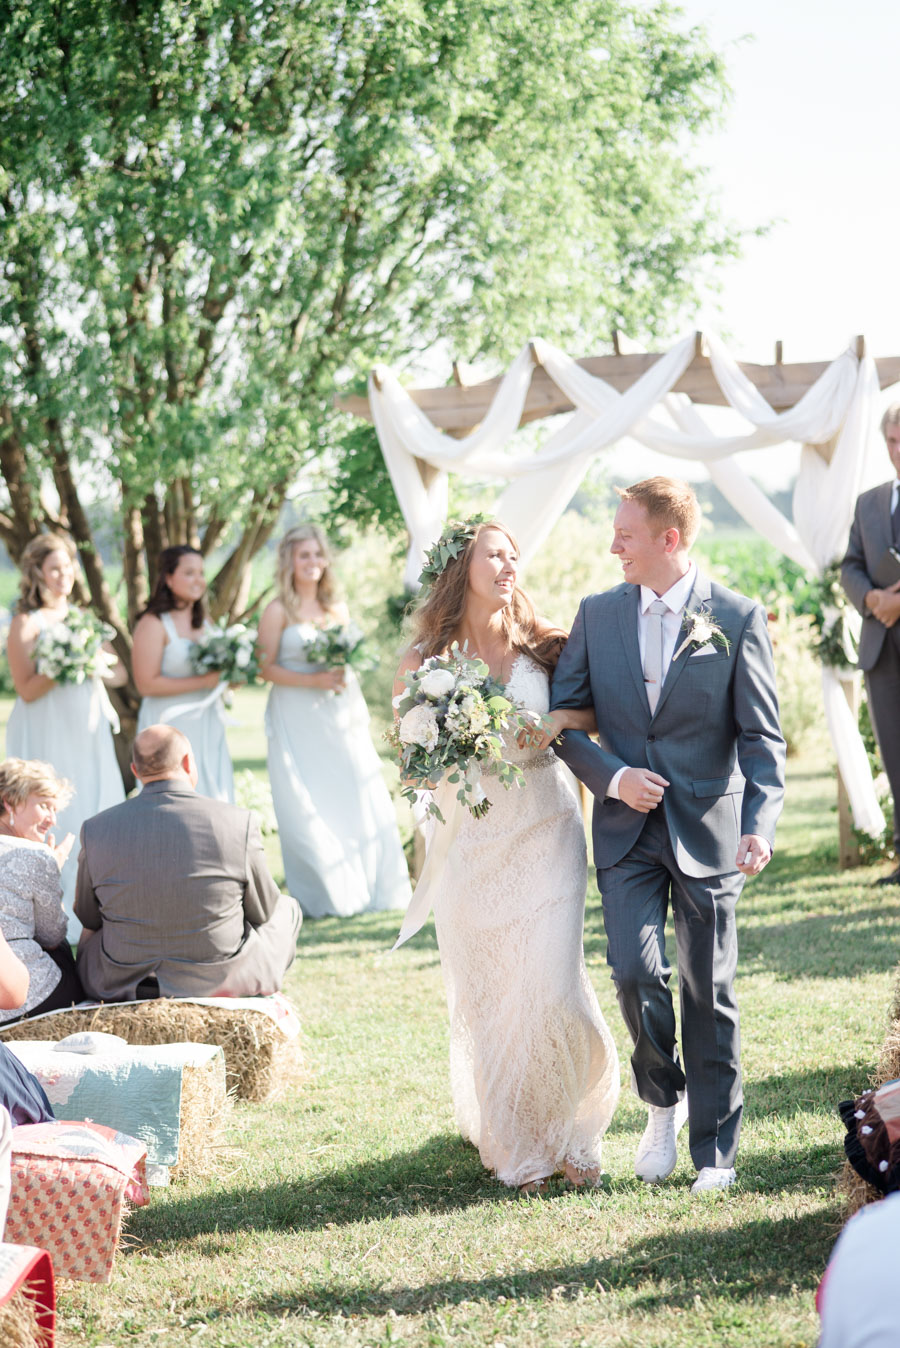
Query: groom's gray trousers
pixel 636 894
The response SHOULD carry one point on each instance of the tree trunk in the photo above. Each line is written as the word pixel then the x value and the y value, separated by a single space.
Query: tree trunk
pixel 135 563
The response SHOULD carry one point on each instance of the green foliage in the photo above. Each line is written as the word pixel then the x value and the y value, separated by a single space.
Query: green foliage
pixel 752 566
pixel 253 793
pixel 212 214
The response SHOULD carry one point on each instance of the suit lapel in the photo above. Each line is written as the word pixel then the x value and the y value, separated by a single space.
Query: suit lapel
pixel 699 595
pixel 628 623
pixel 884 514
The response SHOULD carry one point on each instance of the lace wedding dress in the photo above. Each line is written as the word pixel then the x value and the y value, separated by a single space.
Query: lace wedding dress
pixel 533 1067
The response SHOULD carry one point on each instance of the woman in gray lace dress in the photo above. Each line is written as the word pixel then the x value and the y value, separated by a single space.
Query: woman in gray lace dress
pixel 31 912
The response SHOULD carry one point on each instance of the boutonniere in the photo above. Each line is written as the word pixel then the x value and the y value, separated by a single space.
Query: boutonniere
pixel 701 629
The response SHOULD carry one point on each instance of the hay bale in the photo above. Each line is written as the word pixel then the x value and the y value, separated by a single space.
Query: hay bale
pixel 260 1061
pixel 204 1112
pixel 19 1324
pixel 889 1060
pixel 854 1192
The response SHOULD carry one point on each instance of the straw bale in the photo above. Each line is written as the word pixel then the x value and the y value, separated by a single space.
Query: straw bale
pixel 204 1112
pixel 854 1191
pixel 260 1062
pixel 19 1325
pixel 889 1061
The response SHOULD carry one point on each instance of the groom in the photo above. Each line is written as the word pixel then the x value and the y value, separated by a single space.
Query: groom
pixel 688 783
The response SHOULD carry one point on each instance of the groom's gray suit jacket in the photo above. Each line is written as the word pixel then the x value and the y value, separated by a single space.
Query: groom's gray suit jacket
pixel 714 735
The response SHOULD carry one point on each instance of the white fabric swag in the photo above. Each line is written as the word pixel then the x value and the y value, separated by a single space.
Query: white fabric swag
pixel 839 409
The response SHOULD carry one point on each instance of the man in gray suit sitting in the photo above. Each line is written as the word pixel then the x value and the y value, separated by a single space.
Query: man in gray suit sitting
pixel 688 780
pixel 174 892
pixel 871 577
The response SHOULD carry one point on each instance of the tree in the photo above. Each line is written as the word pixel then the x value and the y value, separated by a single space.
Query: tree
pixel 213 213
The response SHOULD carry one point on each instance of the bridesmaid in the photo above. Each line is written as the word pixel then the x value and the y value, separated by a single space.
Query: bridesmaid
pixel 68 725
pixel 336 821
pixel 172 694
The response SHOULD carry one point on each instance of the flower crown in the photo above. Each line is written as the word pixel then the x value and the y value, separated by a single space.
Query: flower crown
pixel 456 535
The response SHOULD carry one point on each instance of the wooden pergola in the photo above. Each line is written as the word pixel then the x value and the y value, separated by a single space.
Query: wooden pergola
pixel 458 407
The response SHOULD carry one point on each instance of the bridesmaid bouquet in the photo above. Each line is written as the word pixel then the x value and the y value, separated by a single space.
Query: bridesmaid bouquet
pixel 227 651
pixel 341 645
pixel 72 652
pixel 449 726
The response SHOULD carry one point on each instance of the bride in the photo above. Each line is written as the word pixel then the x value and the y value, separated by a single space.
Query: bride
pixel 533 1067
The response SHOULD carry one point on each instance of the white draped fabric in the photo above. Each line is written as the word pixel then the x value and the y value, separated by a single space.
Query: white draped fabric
pixel 840 409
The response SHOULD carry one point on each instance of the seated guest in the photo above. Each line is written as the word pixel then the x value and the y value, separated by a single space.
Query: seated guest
pixel 857 1297
pixel 31 912
pixel 174 891
pixel 22 1098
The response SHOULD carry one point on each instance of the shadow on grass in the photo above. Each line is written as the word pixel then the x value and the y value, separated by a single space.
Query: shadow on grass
pixel 747 1262
pixel 842 944
pixel 443 1175
pixel 320 935
pixel 790 1093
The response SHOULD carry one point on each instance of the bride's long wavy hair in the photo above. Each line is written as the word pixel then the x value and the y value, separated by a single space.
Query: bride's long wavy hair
pixel 437 619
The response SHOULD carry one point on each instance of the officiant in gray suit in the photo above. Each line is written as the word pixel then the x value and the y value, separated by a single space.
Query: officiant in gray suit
pixel 688 780
pixel 871 577
pixel 174 892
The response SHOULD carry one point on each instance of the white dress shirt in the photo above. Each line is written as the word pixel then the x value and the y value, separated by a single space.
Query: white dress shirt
pixel 674 599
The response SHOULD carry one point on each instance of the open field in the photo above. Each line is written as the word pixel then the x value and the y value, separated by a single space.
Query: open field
pixel 353 1214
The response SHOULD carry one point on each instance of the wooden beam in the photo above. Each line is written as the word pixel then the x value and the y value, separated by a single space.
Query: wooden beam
pixel 459 410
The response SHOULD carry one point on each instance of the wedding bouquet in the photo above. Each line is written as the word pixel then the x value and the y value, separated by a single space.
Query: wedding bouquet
pixel 72 651
pixel 229 652
pixel 341 645
pixel 450 721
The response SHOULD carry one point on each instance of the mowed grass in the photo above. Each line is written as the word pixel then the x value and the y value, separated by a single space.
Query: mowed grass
pixel 352 1213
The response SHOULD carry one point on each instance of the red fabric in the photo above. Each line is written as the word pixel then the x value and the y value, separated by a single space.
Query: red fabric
pixel 70 1182
pixel 24 1266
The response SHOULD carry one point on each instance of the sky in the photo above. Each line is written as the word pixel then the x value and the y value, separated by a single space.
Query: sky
pixel 810 143
pixel 811 147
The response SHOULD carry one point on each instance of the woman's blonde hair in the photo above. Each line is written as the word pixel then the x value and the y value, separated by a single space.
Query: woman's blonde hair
pixel 35 553
pixel 326 591
pixel 437 618
pixel 21 778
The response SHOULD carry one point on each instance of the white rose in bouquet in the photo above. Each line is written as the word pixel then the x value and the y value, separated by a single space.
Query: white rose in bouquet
pixel 437 683
pixel 420 726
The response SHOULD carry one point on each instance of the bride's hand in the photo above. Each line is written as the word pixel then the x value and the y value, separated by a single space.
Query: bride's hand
pixel 544 731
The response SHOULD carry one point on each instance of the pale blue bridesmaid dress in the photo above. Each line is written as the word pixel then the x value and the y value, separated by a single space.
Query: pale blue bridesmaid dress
pixel 199 716
pixel 339 838
pixel 71 727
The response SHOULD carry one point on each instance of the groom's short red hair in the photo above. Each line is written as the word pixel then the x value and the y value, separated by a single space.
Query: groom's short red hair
pixel 669 503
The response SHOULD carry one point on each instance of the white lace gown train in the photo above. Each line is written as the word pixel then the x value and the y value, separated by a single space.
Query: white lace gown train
pixel 533 1066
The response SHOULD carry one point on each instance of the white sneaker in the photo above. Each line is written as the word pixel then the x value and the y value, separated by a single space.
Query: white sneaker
pixel 713 1177
pixel 657 1153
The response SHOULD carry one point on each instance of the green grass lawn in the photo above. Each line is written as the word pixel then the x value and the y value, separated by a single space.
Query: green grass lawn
pixel 354 1214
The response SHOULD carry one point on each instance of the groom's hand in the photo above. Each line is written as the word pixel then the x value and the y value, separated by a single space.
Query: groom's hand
pixel 753 854
pixel 641 789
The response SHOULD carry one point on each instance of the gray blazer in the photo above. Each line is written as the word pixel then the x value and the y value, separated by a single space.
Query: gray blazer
pixel 177 886
pixel 715 734
pixel 870 537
